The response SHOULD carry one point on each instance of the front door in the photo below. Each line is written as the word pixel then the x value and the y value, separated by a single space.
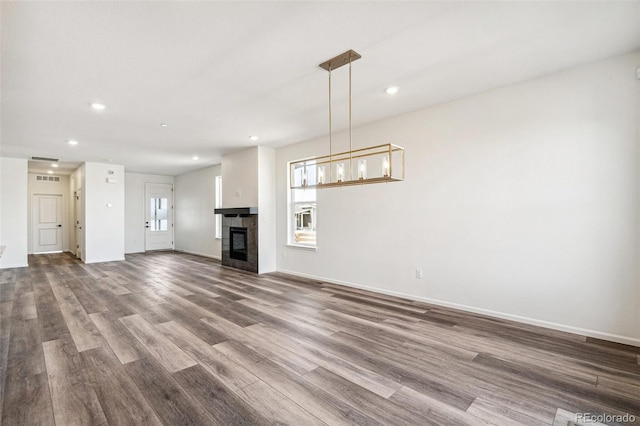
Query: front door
pixel 47 223
pixel 159 220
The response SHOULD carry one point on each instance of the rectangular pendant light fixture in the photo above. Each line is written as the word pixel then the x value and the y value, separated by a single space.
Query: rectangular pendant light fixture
pixel 375 164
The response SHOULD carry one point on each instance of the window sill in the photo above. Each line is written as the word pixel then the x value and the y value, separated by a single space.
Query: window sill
pixel 302 246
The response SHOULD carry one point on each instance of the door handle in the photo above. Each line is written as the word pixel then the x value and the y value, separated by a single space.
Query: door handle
pixel 59 226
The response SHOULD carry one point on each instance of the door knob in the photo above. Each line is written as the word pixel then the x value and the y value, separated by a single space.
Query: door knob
pixel 59 226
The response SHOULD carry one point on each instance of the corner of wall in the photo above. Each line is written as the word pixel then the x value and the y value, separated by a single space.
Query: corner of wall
pixel 14 213
pixel 104 212
pixel 266 210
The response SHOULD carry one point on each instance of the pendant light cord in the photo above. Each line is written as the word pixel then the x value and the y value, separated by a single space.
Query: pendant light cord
pixel 350 127
pixel 330 134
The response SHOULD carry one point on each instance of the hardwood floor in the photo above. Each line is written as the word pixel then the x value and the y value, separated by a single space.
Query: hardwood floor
pixel 174 339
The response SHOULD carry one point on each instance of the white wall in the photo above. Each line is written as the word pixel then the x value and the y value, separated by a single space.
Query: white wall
pixel 13 212
pixel 520 202
pixel 194 212
pixel 266 210
pixel 135 209
pixel 240 181
pixel 50 188
pixel 104 213
pixel 76 180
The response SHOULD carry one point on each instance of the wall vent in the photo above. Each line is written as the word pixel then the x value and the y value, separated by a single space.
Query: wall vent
pixel 55 160
pixel 48 178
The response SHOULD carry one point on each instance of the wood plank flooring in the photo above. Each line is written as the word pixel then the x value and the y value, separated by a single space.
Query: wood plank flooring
pixel 175 339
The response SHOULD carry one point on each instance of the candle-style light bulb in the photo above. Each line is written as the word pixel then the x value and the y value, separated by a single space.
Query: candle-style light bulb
pixel 385 166
pixel 340 169
pixel 362 169
pixel 321 175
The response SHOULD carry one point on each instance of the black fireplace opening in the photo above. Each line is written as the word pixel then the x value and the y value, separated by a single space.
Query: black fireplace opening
pixel 238 243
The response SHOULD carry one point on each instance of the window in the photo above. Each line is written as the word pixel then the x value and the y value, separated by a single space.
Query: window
pixel 302 209
pixel 158 218
pixel 218 205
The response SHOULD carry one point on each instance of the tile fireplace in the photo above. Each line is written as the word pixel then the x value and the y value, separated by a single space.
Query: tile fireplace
pixel 240 238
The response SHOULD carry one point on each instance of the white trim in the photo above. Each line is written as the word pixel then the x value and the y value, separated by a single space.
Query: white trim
pixel 14 265
pixel 303 247
pixel 217 204
pixel 87 262
pixel 627 340
pixel 199 254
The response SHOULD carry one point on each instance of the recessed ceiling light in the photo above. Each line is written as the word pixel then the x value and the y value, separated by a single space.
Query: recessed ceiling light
pixel 98 106
pixel 195 157
pixel 253 138
pixel 391 90
pixel 163 124
pixel 54 165
pixel 72 142
pixel 50 172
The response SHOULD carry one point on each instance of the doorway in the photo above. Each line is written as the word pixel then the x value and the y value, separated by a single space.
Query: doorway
pixel 79 219
pixel 159 216
pixel 47 219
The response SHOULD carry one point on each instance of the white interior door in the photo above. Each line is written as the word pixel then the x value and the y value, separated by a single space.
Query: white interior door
pixel 159 220
pixel 79 218
pixel 47 223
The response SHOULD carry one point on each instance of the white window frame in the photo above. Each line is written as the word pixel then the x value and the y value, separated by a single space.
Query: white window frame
pixel 218 205
pixel 293 206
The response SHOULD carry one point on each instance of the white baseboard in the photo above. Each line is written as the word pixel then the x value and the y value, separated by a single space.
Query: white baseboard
pixel 87 262
pixel 627 340
pixel 14 265
pixel 200 254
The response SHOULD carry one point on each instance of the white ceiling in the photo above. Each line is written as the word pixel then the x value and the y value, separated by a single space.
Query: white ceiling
pixel 217 72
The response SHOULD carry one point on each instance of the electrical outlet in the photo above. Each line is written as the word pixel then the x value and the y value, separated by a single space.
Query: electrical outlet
pixel 419 273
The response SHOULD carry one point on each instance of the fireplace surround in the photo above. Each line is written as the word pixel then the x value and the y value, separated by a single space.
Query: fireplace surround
pixel 240 238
